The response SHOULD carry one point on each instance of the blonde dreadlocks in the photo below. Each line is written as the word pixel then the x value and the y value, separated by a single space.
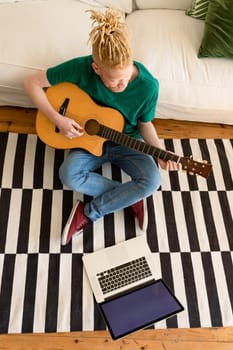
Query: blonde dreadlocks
pixel 109 39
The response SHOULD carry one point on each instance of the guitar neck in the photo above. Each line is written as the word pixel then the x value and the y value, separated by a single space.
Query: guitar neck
pixel 136 144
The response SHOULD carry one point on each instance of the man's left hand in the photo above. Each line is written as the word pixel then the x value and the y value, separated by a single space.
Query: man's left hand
pixel 170 165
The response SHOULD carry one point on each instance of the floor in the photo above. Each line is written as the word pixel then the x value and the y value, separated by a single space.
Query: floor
pixel 23 121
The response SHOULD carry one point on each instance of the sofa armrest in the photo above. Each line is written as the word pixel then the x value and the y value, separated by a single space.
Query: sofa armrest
pixel 162 4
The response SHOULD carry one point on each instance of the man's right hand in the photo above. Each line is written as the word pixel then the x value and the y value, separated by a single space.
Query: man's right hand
pixel 69 127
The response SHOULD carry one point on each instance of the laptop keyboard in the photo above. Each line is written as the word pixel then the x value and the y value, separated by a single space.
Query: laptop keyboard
pixel 123 275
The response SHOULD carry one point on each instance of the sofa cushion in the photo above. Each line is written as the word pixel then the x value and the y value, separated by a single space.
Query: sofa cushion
pixel 167 42
pixel 124 5
pixel 7 1
pixel 198 9
pixel 218 34
pixel 163 4
pixel 41 33
pixel 38 34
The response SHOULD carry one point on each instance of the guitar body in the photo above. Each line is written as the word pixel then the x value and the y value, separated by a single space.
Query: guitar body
pixel 81 108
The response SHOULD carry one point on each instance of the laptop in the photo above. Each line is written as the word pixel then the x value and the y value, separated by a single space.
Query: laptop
pixel 125 287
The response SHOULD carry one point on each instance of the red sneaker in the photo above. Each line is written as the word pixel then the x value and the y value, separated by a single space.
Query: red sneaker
pixel 139 211
pixel 76 223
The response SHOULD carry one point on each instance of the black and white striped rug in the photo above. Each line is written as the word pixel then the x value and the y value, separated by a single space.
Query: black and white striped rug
pixel 43 287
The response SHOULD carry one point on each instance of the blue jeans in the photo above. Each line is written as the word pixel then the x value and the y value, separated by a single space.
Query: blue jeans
pixel 78 173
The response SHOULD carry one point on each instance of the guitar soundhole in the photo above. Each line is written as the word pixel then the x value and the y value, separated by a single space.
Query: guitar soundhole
pixel 92 127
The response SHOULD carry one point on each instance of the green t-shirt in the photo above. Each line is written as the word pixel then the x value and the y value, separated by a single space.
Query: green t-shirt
pixel 137 101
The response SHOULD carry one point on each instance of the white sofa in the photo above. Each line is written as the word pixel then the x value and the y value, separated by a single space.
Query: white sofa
pixel 35 34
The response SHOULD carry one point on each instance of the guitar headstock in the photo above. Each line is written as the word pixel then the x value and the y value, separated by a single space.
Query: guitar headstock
pixel 195 167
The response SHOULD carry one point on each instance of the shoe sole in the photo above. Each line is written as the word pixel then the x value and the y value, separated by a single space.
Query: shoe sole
pixel 145 213
pixel 67 226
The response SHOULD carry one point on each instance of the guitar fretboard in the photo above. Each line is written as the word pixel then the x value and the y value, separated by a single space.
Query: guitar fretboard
pixel 136 144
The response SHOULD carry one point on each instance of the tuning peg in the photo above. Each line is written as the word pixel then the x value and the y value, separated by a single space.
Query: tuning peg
pixel 205 161
pixel 191 173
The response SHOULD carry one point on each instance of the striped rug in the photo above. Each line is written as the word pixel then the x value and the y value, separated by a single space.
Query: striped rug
pixel 43 287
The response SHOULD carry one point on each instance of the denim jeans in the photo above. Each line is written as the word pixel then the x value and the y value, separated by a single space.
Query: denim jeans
pixel 78 173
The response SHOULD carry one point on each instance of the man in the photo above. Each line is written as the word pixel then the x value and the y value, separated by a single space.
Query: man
pixel 112 78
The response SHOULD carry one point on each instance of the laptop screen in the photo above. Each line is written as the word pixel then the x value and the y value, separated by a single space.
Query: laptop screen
pixel 139 308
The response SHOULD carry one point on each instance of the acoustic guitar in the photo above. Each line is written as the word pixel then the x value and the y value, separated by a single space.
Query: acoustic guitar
pixel 100 124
